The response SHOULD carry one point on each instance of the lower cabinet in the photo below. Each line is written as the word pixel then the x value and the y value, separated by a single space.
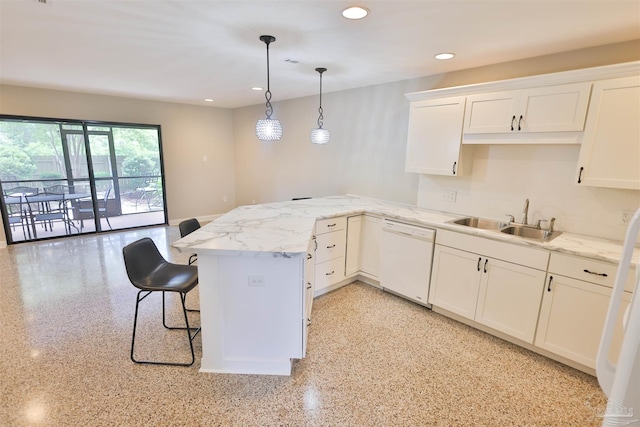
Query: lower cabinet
pixel 309 279
pixel 574 310
pixel 500 294
pixel 363 245
pixel 331 235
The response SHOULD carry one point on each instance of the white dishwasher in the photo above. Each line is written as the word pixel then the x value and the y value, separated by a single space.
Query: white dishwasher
pixel 406 254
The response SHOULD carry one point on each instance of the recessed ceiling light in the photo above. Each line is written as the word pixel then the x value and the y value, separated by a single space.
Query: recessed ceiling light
pixel 445 55
pixel 256 88
pixel 355 12
pixel 208 100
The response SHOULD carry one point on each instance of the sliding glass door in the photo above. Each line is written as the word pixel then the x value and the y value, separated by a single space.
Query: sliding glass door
pixel 61 178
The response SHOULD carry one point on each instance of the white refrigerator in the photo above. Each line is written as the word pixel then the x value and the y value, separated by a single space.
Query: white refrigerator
pixel 621 382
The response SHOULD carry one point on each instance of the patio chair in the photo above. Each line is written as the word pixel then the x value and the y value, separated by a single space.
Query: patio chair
pixel 16 214
pixel 150 272
pixel 102 210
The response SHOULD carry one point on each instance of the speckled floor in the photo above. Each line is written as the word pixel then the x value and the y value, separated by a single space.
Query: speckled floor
pixel 66 311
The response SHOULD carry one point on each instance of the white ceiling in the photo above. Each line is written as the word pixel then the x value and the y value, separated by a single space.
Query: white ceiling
pixel 188 50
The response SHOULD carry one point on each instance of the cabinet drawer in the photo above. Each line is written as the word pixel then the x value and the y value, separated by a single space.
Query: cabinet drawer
pixel 328 273
pixel 589 270
pixel 331 245
pixel 331 224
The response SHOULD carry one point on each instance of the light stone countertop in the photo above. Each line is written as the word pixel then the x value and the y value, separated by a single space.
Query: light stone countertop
pixel 284 229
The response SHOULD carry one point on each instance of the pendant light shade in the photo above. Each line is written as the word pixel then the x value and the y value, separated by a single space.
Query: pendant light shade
pixel 268 129
pixel 320 135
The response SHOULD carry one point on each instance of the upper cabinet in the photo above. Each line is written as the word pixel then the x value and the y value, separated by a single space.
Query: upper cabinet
pixel 610 152
pixel 435 135
pixel 542 109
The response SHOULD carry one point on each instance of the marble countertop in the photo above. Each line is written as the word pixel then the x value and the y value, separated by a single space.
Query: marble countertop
pixel 284 228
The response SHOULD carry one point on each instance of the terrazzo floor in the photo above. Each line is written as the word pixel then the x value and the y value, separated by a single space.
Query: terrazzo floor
pixel 66 311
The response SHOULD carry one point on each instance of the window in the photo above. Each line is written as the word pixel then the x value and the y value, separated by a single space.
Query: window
pixel 62 178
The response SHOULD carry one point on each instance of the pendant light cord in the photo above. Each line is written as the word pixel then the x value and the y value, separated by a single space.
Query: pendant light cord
pixel 320 117
pixel 267 94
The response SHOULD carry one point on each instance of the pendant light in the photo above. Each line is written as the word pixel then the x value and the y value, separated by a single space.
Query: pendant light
pixel 320 135
pixel 268 129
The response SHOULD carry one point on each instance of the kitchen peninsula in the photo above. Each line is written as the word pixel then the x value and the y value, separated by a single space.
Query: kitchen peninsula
pixel 255 267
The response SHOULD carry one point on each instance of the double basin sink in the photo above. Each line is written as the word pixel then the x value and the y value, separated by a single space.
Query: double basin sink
pixel 524 231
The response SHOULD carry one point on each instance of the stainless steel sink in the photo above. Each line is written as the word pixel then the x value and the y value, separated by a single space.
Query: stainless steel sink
pixel 485 224
pixel 531 233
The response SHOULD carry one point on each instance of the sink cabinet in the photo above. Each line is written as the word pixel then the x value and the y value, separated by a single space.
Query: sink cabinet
pixel 541 109
pixel 610 152
pixel 496 284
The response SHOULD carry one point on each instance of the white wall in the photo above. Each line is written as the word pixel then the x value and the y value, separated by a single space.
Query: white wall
pixel 503 176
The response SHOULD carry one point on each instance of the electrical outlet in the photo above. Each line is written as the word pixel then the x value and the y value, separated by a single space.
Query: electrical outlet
pixel 256 281
pixel 625 217
pixel 449 196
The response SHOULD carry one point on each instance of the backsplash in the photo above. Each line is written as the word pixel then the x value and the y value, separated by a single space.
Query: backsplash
pixel 503 176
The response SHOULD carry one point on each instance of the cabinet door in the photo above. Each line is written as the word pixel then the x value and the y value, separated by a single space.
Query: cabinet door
pixel 370 249
pixel 309 279
pixel 554 108
pixel 455 280
pixel 572 317
pixel 610 153
pixel 509 299
pixel 492 112
pixel 434 136
pixel 354 236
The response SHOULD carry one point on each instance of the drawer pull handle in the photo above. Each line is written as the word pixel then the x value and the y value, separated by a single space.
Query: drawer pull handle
pixel 596 274
pixel 485 264
pixel 331 225
pixel 309 256
pixel 454 167
pixel 513 119
pixel 549 287
pixel 331 247
pixel 479 259
pixel 329 274
pixel 308 322
pixel 308 285
pixel 580 175
pixel 520 123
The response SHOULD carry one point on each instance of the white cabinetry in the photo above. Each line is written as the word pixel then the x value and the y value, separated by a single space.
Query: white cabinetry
pixel 331 236
pixel 309 279
pixel 574 308
pixel 354 236
pixel 610 152
pixel 363 246
pixel 370 246
pixel 434 136
pixel 540 109
pixel 495 284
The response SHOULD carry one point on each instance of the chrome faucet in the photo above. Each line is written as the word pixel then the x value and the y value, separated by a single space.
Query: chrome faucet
pixel 550 221
pixel 525 212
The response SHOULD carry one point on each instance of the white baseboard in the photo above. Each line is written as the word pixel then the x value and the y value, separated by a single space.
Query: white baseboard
pixel 3 244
